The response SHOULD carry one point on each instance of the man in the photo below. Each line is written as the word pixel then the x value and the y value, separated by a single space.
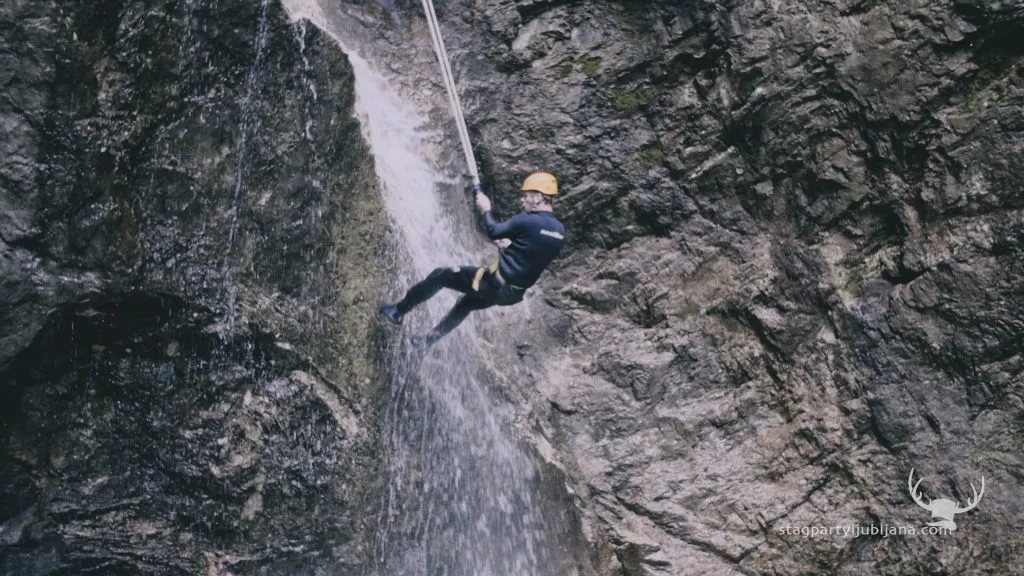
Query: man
pixel 528 243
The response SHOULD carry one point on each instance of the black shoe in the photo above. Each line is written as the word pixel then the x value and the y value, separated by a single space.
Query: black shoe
pixel 390 311
pixel 421 342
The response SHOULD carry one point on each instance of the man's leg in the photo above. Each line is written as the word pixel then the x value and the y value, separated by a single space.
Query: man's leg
pixel 455 316
pixel 458 278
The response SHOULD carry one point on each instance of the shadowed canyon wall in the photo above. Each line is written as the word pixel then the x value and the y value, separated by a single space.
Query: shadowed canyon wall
pixel 189 221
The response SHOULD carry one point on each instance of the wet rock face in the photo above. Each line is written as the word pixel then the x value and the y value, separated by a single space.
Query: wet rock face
pixel 187 215
pixel 795 270
pixel 151 446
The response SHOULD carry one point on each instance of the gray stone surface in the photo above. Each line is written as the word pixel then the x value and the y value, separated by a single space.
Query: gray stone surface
pixel 795 271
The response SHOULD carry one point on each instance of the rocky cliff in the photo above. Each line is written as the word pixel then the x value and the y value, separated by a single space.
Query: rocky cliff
pixel 794 275
pixel 189 219
pixel 795 271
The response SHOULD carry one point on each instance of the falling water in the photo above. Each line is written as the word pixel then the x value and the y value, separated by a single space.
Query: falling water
pixel 460 495
pixel 247 126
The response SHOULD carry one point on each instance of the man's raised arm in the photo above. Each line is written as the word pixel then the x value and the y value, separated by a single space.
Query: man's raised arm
pixel 494 228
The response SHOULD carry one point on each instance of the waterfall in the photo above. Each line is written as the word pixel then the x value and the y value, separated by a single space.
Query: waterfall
pixel 461 495
pixel 246 127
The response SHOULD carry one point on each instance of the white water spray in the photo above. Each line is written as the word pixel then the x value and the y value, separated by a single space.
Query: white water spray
pixel 460 498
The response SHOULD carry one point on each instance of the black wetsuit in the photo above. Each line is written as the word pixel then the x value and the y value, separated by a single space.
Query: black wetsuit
pixel 537 239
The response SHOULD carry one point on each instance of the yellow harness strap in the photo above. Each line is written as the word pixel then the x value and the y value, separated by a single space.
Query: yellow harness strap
pixel 493 268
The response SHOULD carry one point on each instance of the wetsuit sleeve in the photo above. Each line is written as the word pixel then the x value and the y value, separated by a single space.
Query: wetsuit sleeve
pixel 507 229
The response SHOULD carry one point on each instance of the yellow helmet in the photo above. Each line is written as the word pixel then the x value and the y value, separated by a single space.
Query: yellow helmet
pixel 541 182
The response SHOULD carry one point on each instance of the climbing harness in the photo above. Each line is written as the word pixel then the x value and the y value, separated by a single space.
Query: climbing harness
pixel 506 294
pixel 449 80
pixel 493 268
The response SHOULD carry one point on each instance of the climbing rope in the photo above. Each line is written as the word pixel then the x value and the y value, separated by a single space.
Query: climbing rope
pixel 449 80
